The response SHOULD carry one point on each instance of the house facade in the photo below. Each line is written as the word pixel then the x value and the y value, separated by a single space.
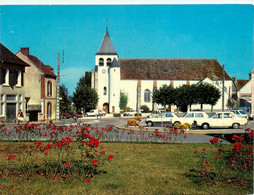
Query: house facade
pixel 40 87
pixel 12 90
pixel 139 77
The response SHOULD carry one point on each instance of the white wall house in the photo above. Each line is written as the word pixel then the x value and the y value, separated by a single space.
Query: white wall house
pixel 139 77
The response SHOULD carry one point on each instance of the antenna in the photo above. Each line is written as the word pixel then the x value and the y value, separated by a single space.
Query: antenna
pixel 63 57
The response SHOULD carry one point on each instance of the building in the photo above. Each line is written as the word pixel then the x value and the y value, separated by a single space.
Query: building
pixel 12 90
pixel 138 77
pixel 40 87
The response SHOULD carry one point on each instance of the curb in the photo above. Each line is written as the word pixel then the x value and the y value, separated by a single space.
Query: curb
pixel 186 132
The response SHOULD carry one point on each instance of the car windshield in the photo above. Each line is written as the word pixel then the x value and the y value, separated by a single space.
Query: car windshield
pixel 211 116
pixel 242 112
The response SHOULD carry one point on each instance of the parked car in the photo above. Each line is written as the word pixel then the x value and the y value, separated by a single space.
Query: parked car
pixel 240 113
pixel 157 113
pixel 166 119
pixel 190 117
pixel 129 113
pixel 65 115
pixel 93 112
pixel 222 119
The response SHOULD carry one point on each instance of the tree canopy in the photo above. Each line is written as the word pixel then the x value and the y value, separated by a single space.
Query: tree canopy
pixel 187 95
pixel 65 102
pixel 84 96
pixel 123 100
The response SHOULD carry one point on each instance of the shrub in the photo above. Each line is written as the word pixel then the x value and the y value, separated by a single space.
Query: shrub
pixel 117 115
pixel 132 122
pixel 227 164
pixel 145 108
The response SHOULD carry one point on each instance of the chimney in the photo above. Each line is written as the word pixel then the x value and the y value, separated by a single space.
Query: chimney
pixel 25 51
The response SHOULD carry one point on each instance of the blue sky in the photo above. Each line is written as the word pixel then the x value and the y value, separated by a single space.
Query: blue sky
pixel 224 32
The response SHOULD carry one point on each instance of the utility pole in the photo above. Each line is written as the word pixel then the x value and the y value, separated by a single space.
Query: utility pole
pixel 58 90
pixel 223 83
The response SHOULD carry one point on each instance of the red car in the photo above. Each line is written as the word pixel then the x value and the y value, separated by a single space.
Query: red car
pixel 65 115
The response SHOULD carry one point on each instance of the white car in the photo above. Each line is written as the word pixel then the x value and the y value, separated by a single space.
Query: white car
pixel 94 112
pixel 222 119
pixel 240 113
pixel 166 119
pixel 190 117
pixel 129 113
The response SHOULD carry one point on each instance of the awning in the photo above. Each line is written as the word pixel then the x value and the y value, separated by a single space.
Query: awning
pixel 34 107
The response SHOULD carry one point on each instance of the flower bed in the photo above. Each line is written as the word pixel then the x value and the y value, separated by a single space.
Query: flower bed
pixel 225 163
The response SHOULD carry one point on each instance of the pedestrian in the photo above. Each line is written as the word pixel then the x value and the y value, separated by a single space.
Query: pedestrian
pixel 20 116
pixel 98 115
pixel 74 116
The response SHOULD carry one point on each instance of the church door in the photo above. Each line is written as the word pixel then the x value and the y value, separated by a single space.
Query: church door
pixel 105 107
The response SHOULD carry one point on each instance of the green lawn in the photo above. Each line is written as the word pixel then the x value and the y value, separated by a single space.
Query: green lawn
pixel 135 169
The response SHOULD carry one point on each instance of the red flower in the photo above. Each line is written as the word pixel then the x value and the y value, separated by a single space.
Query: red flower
pixel 227 166
pixel 217 157
pixel 67 165
pixel 95 160
pixel 195 151
pixel 203 172
pixel 110 157
pixel 88 180
pixel 211 169
pixel 204 149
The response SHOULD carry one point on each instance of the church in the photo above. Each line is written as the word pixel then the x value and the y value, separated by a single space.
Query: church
pixel 137 78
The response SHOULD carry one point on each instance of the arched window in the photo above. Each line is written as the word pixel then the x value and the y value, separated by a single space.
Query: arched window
pixel 49 109
pixel 108 62
pixel 147 95
pixel 105 91
pixel 101 62
pixel 49 89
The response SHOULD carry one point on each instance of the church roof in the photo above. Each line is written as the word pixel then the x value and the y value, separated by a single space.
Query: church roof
pixel 7 56
pixel 171 69
pixel 106 47
pixel 115 63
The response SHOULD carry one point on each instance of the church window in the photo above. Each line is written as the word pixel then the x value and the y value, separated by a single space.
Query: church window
pixel 147 95
pixel 101 62
pixel 105 91
pixel 108 62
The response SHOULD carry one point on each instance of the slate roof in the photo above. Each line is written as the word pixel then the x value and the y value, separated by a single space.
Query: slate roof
pixel 171 69
pixel 114 63
pixel 45 68
pixel 106 47
pixel 7 56
pixel 240 83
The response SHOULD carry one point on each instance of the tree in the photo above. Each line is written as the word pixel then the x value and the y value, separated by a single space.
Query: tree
pixel 207 94
pixel 123 100
pixel 165 95
pixel 85 97
pixel 65 102
pixel 184 97
pixel 85 80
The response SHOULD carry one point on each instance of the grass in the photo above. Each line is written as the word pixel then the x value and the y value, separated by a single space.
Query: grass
pixel 135 169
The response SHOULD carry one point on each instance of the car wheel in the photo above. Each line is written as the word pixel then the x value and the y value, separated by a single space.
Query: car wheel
pixel 149 123
pixel 235 125
pixel 205 126
pixel 177 122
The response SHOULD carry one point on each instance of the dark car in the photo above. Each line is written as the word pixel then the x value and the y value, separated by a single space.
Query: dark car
pixel 65 115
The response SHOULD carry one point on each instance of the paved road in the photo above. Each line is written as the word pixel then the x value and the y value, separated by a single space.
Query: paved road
pixel 123 134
